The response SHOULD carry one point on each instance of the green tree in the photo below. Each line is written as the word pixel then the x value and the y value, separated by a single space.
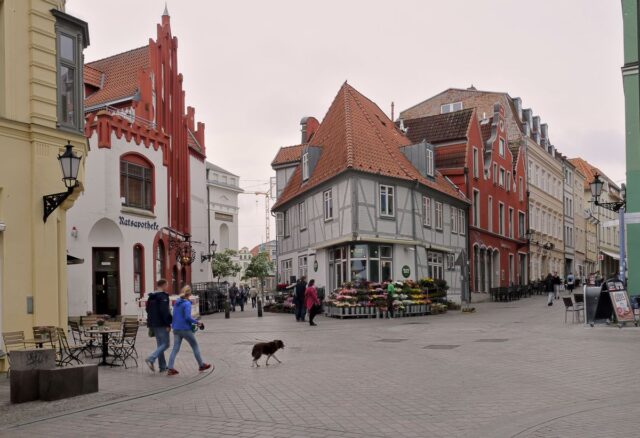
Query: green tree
pixel 222 264
pixel 259 267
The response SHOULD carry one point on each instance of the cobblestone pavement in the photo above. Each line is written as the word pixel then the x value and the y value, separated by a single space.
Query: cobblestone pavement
pixel 508 370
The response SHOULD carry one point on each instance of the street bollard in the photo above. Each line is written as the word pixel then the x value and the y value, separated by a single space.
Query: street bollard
pixel 260 307
pixel 227 315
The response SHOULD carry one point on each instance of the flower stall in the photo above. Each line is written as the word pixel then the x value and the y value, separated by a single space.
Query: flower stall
pixel 369 300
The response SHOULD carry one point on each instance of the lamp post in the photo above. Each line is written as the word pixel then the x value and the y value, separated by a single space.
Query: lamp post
pixel 70 166
pixel 213 246
pixel 618 207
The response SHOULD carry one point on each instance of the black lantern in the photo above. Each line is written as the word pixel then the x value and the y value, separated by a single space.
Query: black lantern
pixel 213 246
pixel 185 254
pixel 596 191
pixel 596 187
pixel 70 166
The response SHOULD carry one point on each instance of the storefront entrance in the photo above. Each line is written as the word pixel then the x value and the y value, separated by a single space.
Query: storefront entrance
pixel 106 281
pixel 360 262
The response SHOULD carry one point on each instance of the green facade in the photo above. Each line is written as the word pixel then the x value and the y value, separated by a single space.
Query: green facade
pixel 631 83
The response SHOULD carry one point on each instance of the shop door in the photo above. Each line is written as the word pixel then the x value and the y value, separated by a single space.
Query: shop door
pixel 106 281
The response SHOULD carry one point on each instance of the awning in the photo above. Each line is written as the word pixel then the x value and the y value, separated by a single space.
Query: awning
pixel 71 260
pixel 613 255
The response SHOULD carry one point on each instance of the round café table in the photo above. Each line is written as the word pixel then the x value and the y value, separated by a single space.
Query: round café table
pixel 105 343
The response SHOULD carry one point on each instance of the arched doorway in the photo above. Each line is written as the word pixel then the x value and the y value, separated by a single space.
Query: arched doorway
pixel 106 239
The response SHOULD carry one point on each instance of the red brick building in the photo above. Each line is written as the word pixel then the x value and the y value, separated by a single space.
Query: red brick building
pixel 475 155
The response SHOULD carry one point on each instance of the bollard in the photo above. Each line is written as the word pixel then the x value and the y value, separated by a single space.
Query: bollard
pixel 227 315
pixel 259 307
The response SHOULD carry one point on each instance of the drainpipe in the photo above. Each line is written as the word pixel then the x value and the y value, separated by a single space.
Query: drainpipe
pixel 209 221
pixel 413 224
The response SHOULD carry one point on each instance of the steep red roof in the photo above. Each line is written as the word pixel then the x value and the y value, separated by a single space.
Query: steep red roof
pixel 439 128
pixel 287 155
pixel 589 172
pixel 120 75
pixel 356 134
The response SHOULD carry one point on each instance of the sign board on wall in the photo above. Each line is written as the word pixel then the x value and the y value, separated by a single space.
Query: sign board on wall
pixel 144 225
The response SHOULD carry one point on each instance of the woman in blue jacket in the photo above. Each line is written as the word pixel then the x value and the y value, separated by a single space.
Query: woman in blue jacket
pixel 183 328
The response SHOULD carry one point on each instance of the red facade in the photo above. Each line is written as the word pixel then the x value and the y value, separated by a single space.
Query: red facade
pixel 476 156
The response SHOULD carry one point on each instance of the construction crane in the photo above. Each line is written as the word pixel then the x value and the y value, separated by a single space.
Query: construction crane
pixel 268 195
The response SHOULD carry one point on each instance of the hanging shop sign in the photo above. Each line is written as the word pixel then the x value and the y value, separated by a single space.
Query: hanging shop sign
pixel 143 225
pixel 406 271
pixel 315 266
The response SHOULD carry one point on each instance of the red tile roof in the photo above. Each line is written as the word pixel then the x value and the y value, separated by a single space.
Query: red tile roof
pixel 287 155
pixel 589 172
pixel 92 76
pixel 356 134
pixel 120 75
pixel 439 128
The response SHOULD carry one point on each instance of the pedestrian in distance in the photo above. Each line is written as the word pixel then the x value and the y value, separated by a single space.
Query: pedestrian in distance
pixel 312 302
pixel 570 282
pixel 557 284
pixel 184 328
pixel 233 296
pixel 549 288
pixel 254 296
pixel 242 298
pixel 159 324
pixel 298 299
pixel 391 293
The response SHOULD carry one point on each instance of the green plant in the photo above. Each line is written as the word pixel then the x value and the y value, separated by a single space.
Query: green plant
pixel 222 264
pixel 259 268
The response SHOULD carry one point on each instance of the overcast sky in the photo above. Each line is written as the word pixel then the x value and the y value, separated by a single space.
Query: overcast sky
pixel 253 69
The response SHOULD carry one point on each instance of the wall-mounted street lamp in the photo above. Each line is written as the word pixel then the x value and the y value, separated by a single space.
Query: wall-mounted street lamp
pixel 70 165
pixel 212 252
pixel 618 207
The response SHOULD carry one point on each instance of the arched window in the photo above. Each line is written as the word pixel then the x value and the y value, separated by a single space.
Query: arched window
pixel 224 237
pixel 138 269
pixel 136 182
pixel 160 260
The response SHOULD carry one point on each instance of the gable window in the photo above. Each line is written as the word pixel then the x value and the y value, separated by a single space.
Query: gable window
pixel 429 154
pixel 501 179
pixel 476 168
pixel 138 269
pixel 438 215
pixel 71 39
pixel 450 107
pixel 501 147
pixel 386 200
pixel 305 166
pixel 328 205
pixel 461 221
pixel 302 216
pixel 520 189
pixel 476 208
pixel 426 211
pixel 136 182
pixel 454 220
pixel 501 219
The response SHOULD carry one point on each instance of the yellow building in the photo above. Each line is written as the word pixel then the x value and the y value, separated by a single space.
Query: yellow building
pixel 41 110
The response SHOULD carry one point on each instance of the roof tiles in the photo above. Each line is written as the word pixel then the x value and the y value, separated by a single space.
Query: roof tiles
pixel 439 128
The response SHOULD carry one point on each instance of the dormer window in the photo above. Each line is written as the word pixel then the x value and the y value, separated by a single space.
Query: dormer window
pixel 305 166
pixel 429 156
pixel 450 107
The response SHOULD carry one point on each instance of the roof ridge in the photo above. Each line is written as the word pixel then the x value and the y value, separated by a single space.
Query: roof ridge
pixel 113 56
pixel 348 124
pixel 390 151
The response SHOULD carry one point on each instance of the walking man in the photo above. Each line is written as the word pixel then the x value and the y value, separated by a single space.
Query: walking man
pixel 570 282
pixel 391 293
pixel 254 296
pixel 549 283
pixel 242 298
pixel 159 323
pixel 298 299
pixel 233 296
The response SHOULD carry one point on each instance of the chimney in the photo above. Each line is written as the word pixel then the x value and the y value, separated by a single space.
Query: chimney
pixel 527 115
pixel 308 127
pixel 517 102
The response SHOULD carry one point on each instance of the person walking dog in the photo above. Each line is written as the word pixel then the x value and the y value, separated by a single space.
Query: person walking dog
pixel 184 327
pixel 159 324
pixel 311 301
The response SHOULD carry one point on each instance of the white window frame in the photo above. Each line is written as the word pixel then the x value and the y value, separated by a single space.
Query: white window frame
pixel 327 204
pixel 429 161
pixel 495 173
pixel 439 215
pixel 279 224
pixel 287 223
pixel 388 192
pixel 501 147
pixel 426 211
pixel 501 213
pixel 507 182
pixel 490 213
pixel 454 220
pixel 302 215
pixel 305 166
pixel 303 263
pixel 520 189
pixel 502 177
pixel 451 107
pixel 461 222
pixel 522 231
pixel 511 223
pixel 476 208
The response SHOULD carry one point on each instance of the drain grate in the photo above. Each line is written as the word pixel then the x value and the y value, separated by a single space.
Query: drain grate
pixel 440 347
pixel 391 340
pixel 491 340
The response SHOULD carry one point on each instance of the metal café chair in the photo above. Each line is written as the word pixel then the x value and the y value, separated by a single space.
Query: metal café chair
pixel 67 354
pixel 124 348
pixel 570 307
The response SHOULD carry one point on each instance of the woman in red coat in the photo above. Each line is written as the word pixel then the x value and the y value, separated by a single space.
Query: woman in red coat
pixel 311 301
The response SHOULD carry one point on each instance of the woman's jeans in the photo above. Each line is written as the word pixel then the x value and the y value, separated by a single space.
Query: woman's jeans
pixel 190 337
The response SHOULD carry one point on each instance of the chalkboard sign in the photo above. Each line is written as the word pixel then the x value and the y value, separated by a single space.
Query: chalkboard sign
pixel 606 303
pixel 621 306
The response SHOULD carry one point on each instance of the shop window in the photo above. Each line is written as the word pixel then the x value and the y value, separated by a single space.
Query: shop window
pixel 160 260
pixel 386 200
pixel 136 182
pixel 435 265
pixel 302 266
pixel 370 262
pixel 138 269
pixel 287 271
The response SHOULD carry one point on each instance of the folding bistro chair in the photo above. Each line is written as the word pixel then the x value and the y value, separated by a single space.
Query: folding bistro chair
pixel 570 307
pixel 68 354
pixel 125 347
pixel 13 341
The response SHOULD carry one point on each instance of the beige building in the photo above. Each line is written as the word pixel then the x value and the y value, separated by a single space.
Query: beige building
pixel 544 167
pixel 41 110
pixel 582 228
pixel 607 243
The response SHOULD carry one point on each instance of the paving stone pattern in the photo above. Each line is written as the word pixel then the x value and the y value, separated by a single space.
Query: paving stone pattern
pixel 499 372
